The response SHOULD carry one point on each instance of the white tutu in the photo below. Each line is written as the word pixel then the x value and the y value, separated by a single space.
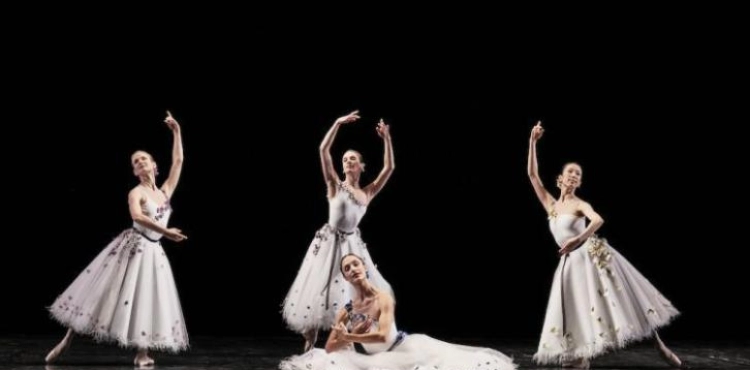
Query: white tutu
pixel 319 291
pixel 127 294
pixel 598 302
pixel 416 351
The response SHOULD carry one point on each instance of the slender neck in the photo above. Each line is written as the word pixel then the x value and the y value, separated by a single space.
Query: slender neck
pixel 352 180
pixel 148 181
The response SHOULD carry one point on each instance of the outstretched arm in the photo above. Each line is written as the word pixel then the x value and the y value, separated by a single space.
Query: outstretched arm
pixel 595 222
pixel 384 324
pixel 329 173
pixel 533 171
pixel 388 164
pixel 177 156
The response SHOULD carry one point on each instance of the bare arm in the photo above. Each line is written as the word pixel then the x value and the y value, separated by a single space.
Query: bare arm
pixel 388 164
pixel 329 173
pixel 595 222
pixel 335 341
pixel 136 199
pixel 177 157
pixel 533 170
pixel 326 162
pixel 384 324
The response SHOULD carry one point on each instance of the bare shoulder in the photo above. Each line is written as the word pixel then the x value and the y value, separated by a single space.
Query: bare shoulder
pixel 583 205
pixel 385 298
pixel 136 193
pixel 587 210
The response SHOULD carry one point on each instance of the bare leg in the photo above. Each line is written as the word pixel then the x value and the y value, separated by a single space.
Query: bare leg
pixel 311 336
pixel 142 359
pixel 666 353
pixel 60 347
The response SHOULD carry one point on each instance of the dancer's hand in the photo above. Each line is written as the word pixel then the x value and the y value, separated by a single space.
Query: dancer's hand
pixel 349 118
pixel 172 123
pixel 174 234
pixel 340 331
pixel 537 131
pixel 570 245
pixel 362 326
pixel 384 131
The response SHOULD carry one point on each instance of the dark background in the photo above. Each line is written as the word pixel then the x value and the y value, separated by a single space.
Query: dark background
pixel 655 118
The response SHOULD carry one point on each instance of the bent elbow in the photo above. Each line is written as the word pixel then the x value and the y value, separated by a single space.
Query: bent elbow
pixel 600 222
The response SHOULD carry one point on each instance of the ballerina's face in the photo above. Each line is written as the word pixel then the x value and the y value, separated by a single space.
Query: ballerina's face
pixel 142 163
pixel 571 175
pixel 352 162
pixel 353 268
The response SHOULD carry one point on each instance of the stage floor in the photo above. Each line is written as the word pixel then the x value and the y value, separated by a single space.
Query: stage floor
pixel 27 352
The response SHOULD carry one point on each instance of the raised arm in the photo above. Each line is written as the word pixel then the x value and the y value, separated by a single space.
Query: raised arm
pixel 385 321
pixel 595 222
pixel 388 164
pixel 533 170
pixel 326 162
pixel 177 156
pixel 335 341
pixel 136 199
